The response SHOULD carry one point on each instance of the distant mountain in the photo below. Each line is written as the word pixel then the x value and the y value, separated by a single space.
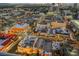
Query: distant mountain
pixel 5 5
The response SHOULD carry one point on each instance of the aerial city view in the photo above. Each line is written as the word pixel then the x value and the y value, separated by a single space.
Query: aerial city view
pixel 50 29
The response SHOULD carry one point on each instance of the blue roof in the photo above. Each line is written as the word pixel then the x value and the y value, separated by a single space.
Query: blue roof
pixel 20 25
pixel 1 41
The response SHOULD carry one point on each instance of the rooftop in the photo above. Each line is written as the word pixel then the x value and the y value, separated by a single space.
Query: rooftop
pixel 76 23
